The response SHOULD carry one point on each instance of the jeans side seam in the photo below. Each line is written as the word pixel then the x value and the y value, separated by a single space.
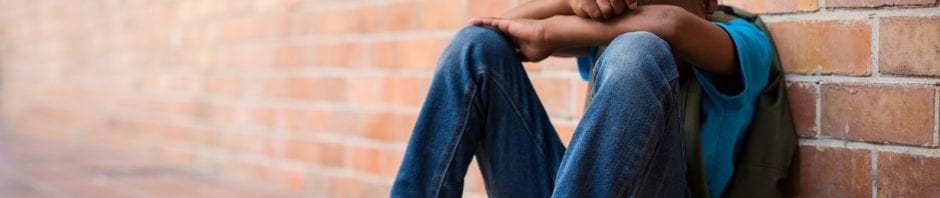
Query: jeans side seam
pixel 455 141
pixel 515 108
pixel 642 158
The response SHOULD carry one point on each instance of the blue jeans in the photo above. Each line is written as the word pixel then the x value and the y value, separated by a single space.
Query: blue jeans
pixel 482 104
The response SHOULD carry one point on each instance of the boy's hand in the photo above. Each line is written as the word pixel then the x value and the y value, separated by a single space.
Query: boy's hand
pixel 600 9
pixel 527 34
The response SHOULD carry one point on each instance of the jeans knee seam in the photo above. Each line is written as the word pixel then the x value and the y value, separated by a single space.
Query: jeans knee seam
pixel 452 147
pixel 515 108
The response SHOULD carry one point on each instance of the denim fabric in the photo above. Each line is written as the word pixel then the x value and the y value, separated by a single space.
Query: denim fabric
pixel 481 103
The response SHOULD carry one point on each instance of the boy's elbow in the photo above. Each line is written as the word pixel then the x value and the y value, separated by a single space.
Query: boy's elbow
pixel 669 21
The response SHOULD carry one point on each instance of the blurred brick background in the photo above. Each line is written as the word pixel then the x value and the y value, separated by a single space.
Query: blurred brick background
pixel 319 95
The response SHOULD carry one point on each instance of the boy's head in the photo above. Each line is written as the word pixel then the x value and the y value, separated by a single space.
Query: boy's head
pixel 697 7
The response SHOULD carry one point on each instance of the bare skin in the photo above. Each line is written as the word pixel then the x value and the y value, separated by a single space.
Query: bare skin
pixel 593 9
pixel 694 40
pixel 541 9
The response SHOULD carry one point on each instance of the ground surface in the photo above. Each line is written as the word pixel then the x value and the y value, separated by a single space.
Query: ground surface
pixel 33 167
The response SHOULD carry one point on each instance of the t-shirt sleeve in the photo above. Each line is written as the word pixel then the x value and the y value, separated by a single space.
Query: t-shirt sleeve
pixel 585 62
pixel 754 56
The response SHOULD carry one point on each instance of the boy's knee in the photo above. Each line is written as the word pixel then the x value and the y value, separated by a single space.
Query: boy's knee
pixel 636 56
pixel 636 44
pixel 479 47
pixel 482 38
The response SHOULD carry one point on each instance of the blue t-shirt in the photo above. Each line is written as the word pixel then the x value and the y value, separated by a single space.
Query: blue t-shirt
pixel 726 117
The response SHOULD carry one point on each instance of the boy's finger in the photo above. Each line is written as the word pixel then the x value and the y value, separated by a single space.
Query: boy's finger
pixel 594 11
pixel 497 23
pixel 478 21
pixel 605 8
pixel 632 4
pixel 619 6
pixel 578 10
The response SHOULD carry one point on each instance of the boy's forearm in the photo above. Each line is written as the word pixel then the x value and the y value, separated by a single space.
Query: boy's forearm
pixel 694 39
pixel 538 9
pixel 573 31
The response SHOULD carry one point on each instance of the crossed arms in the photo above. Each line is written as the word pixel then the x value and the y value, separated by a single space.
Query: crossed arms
pixel 560 27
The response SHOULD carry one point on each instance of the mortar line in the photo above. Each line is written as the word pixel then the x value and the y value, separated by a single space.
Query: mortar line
pixel 894 148
pixel 848 14
pixel 884 79
pixel 573 95
pixel 936 116
pixel 464 9
pixel 817 99
pixel 874 66
pixel 874 173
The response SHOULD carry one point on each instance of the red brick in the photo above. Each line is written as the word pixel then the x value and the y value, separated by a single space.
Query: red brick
pixel 291 55
pixel 442 14
pixel 246 56
pixel 488 8
pixel 827 47
pixel 877 3
pixel 565 131
pixel 230 30
pixel 802 98
pixel 909 46
pixel 364 159
pixel 332 22
pixel 474 179
pixel 302 120
pixel 419 53
pixel 406 91
pixel 339 122
pixel 253 27
pixel 167 132
pixel 351 187
pixel 833 172
pixel 275 26
pixel 218 113
pixel 224 85
pixel 907 175
pixel 399 16
pixel 293 178
pixel 179 155
pixel 307 88
pixel 392 17
pixel 338 55
pixel 390 162
pixel 389 126
pixel 899 114
pixel 245 168
pixel 198 57
pixel 556 95
pixel 774 6
pixel 369 89
pixel 580 97
pixel 263 116
pixel 315 152
pixel 557 63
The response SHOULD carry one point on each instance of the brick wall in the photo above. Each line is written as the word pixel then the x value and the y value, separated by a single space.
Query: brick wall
pixel 320 95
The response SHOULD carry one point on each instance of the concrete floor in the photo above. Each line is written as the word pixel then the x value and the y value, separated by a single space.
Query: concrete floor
pixel 33 167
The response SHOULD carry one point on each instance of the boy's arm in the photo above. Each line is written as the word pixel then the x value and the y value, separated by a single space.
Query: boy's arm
pixel 594 9
pixel 541 9
pixel 538 9
pixel 694 39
